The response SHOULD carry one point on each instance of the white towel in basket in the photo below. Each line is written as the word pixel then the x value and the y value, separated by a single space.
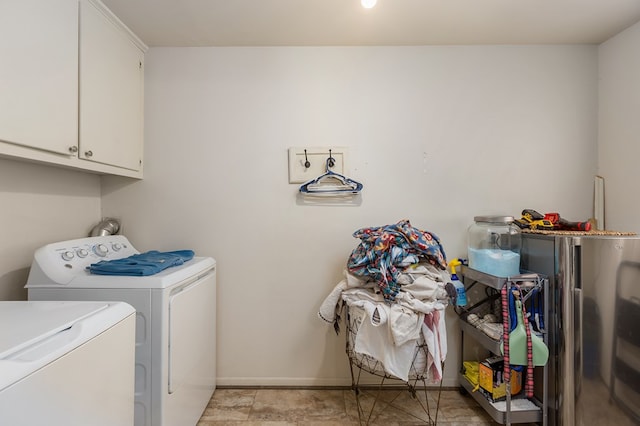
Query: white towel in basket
pixel 331 304
pixel 372 303
pixel 377 342
pixel 405 324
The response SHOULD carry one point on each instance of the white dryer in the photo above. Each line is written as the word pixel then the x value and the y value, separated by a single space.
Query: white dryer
pixel 66 363
pixel 175 372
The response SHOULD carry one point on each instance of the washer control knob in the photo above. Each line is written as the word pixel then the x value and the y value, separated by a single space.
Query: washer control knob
pixel 67 255
pixel 101 250
pixel 116 246
pixel 82 252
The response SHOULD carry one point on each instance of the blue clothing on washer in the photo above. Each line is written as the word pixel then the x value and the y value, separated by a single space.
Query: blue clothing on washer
pixel 142 264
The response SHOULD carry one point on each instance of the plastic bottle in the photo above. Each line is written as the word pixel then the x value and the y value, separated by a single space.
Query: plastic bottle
pixel 461 294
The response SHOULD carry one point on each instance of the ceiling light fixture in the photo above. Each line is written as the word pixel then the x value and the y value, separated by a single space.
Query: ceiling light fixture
pixel 368 4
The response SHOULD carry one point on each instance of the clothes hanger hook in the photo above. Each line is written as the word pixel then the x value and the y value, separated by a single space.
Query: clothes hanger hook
pixel 307 164
pixel 331 161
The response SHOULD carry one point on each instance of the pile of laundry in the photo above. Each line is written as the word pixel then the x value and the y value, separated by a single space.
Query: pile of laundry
pixel 397 276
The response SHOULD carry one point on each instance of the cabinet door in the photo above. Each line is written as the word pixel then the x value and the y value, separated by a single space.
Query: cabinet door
pixel 39 74
pixel 111 90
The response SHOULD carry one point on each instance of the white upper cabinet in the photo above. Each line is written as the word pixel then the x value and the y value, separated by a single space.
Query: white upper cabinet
pixel 111 90
pixel 71 86
pixel 39 74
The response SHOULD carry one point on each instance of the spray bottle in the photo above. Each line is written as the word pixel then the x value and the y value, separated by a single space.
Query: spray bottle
pixel 461 294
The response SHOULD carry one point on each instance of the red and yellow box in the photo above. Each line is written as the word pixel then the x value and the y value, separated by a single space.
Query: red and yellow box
pixel 490 378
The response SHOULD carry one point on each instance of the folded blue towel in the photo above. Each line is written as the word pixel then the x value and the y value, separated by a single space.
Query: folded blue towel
pixel 142 264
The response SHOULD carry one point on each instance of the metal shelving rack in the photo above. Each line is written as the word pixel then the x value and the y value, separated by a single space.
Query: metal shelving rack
pixel 505 415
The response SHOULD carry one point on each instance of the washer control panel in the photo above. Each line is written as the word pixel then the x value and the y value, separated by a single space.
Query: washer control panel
pixel 62 263
pixel 80 253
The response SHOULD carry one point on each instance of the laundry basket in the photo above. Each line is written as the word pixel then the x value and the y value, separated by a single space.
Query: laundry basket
pixel 418 377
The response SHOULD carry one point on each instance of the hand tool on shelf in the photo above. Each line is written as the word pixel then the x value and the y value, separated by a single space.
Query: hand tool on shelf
pixel 565 225
pixel 531 219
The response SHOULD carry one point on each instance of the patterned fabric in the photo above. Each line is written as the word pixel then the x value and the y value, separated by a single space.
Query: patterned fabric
pixel 384 251
pixel 529 384
pixel 529 380
pixel 506 374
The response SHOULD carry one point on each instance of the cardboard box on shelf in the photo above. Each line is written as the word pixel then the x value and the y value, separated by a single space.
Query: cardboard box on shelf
pixel 490 377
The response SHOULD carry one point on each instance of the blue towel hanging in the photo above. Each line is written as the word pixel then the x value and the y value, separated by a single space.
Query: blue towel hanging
pixel 142 264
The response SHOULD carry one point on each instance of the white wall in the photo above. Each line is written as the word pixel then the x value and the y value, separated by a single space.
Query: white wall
pixel 40 205
pixel 619 130
pixel 436 134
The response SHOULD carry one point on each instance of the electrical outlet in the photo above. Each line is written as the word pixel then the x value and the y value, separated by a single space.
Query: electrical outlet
pixel 316 158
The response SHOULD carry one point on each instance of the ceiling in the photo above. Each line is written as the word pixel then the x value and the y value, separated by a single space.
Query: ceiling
pixel 391 22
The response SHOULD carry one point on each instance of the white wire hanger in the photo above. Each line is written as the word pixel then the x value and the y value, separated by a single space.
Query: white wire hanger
pixel 331 184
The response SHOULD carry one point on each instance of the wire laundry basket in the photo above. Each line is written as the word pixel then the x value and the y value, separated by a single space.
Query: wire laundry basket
pixel 417 379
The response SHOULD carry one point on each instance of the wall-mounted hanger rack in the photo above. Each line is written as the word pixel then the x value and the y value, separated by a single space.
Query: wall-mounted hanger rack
pixel 331 184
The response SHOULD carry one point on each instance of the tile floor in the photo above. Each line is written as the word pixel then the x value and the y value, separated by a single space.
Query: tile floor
pixel 313 407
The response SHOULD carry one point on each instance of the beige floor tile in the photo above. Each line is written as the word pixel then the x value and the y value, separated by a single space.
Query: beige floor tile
pixel 310 407
pixel 245 423
pixel 233 398
pixel 397 407
pixel 300 405
pixel 226 414
pixel 228 405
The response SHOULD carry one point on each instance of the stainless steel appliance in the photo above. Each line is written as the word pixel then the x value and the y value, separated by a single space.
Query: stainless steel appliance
pixel 593 326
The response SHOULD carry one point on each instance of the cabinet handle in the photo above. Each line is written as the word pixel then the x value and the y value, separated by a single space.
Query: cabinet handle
pixel 73 149
pixel 88 154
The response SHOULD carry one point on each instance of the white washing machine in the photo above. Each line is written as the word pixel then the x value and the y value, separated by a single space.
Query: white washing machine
pixel 175 372
pixel 67 363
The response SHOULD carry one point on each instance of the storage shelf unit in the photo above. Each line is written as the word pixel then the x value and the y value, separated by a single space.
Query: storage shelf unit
pixel 480 337
pixel 498 411
pixel 505 412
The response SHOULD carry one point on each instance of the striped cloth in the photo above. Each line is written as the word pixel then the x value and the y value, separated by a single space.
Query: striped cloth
pixel 506 329
pixel 528 388
pixel 505 333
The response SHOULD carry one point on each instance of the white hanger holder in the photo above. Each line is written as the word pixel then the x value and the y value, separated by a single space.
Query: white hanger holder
pixel 307 162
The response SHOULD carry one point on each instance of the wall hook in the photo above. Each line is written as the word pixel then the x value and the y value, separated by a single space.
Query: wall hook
pixel 331 161
pixel 307 164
